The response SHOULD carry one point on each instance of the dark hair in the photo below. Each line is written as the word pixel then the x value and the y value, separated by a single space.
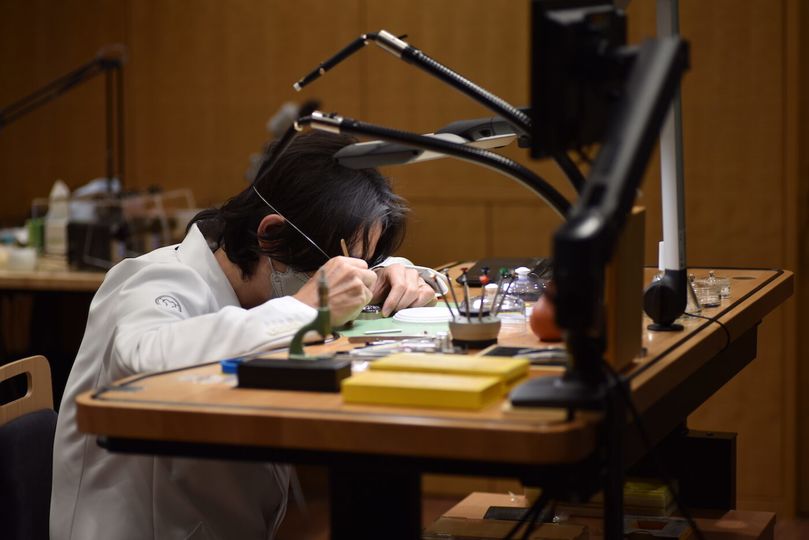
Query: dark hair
pixel 327 201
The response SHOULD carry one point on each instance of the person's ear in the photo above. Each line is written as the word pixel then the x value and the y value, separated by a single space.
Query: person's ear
pixel 265 227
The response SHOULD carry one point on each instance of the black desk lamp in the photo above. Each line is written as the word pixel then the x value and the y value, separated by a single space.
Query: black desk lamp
pixel 665 299
pixel 109 61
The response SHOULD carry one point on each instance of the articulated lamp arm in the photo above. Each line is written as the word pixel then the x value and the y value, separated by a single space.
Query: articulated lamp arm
pixel 338 124
pixel 518 119
pixel 479 156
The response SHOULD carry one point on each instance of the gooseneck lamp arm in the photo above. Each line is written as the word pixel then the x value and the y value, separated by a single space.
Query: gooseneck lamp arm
pixel 501 164
pixel 108 61
pixel 341 55
pixel 519 120
pixel 337 124
pixel 411 55
pixel 491 132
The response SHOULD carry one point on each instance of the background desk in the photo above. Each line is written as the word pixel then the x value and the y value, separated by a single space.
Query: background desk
pixel 51 275
pixel 44 311
pixel 375 449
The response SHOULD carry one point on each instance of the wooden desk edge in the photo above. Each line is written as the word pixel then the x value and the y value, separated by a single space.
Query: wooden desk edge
pixel 534 443
pixel 51 281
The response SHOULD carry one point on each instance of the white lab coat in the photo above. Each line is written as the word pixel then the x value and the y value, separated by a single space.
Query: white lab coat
pixel 167 309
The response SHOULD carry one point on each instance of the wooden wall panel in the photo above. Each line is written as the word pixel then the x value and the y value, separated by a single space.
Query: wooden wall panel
pixel 41 40
pixel 801 13
pixel 735 125
pixel 736 192
pixel 431 223
pixel 209 74
pixel 519 229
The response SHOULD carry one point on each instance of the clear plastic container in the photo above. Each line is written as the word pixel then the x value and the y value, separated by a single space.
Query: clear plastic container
pixel 722 283
pixel 507 307
pixel 525 285
pixel 707 292
pixel 510 310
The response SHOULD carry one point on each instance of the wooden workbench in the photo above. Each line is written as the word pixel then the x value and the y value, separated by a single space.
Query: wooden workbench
pixel 198 411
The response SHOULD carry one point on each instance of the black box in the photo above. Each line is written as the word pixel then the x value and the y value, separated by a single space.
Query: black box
pixel 307 375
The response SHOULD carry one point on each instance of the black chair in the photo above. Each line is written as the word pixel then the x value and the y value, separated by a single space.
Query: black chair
pixel 27 426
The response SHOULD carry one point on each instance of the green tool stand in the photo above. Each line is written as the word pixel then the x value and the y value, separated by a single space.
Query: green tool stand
pixel 321 324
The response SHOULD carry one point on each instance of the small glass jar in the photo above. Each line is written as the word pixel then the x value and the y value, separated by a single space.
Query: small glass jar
pixel 507 307
pixel 722 283
pixel 511 310
pixel 707 292
pixel 525 285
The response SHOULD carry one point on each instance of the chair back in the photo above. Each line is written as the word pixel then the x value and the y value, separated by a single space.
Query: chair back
pixel 27 427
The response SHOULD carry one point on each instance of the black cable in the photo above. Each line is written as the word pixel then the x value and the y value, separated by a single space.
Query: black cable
pixel 717 321
pixel 647 443
pixel 540 515
pixel 108 388
pixel 104 389
pixel 533 511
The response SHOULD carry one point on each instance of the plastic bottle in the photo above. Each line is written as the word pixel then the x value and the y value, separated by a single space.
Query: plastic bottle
pixel 56 219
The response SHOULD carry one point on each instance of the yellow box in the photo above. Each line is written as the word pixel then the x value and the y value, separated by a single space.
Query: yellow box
pixel 506 370
pixel 421 389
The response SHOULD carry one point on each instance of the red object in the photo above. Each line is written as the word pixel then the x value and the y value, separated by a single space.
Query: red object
pixel 543 320
pixel 484 279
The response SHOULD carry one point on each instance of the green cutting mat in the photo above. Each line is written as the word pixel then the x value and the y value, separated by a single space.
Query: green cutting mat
pixel 407 329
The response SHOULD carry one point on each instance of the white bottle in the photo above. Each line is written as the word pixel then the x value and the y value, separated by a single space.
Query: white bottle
pixel 56 219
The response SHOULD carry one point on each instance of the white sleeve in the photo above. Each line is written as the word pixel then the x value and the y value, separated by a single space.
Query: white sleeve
pixel 429 275
pixel 163 320
pixel 393 260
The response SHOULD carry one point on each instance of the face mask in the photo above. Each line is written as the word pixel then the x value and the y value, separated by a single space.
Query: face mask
pixel 286 283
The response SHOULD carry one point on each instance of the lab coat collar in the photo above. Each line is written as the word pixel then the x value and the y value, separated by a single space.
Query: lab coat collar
pixel 195 252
